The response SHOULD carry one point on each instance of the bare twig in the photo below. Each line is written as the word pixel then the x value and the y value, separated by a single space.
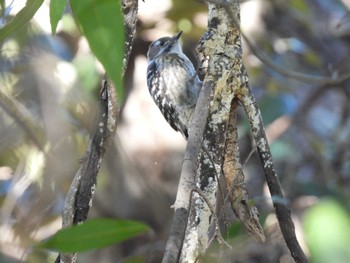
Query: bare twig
pixel 282 212
pixel 188 174
pixel 81 193
pixel 79 197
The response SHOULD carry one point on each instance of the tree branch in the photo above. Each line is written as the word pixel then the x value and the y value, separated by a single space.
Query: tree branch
pixel 130 9
pixel 222 45
pixel 282 211
pixel 188 174
pixel 80 195
pixel 226 72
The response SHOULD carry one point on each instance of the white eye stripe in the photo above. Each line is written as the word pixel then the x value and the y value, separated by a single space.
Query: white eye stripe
pixel 155 43
pixel 159 43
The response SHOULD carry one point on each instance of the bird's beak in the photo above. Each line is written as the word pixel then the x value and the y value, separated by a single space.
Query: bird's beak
pixel 178 35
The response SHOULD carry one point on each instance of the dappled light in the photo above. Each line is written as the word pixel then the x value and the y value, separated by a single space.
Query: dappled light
pixel 296 56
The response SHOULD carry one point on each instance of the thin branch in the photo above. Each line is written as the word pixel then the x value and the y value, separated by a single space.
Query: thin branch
pixel 80 195
pixel 282 211
pixel 188 175
pixel 130 9
pixel 105 127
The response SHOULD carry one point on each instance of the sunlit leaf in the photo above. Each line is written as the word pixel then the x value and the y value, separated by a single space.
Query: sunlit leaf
pixel 56 12
pixel 93 234
pixel 101 22
pixel 21 18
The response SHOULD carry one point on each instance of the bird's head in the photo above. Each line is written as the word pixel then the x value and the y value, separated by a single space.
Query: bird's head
pixel 164 45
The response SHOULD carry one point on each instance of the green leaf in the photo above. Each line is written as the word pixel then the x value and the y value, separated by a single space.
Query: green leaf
pixel 56 12
pixel 101 22
pixel 327 232
pixel 21 18
pixel 93 234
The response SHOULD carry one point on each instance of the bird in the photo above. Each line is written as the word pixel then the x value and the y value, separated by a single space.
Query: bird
pixel 172 82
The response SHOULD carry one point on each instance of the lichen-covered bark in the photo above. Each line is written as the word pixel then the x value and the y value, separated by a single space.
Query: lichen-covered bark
pixel 81 193
pixel 79 197
pixel 282 211
pixel 105 127
pixel 174 244
pixel 222 45
pixel 130 9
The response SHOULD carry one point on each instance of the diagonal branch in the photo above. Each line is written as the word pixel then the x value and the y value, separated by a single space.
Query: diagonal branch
pixel 282 211
pixel 81 192
pixel 80 195
pixel 188 174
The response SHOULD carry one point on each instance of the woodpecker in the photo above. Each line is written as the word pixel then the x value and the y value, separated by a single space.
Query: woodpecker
pixel 172 82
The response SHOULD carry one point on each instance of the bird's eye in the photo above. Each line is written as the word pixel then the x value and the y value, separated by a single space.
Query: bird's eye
pixel 161 43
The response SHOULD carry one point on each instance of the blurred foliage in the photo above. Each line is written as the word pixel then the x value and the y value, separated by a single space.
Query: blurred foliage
pixel 184 14
pixel 45 112
pixel 327 230
pixel 47 90
pixel 22 18
pixel 183 9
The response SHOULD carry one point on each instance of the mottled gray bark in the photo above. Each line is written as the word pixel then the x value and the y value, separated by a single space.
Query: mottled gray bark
pixel 221 45
pixel 81 193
